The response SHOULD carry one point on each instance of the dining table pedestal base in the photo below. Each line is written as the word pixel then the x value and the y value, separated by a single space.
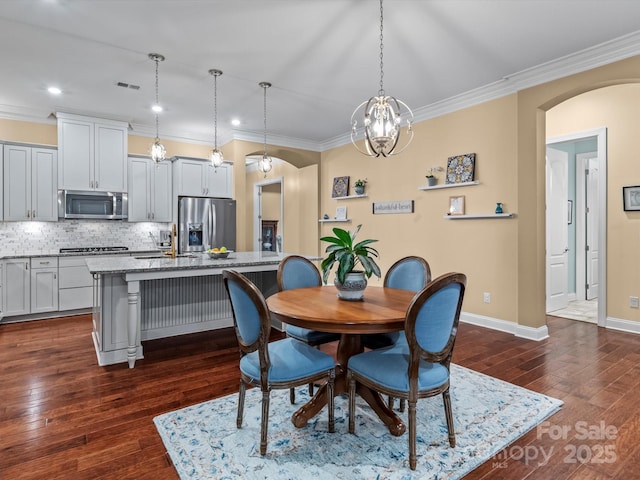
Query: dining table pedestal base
pixel 349 345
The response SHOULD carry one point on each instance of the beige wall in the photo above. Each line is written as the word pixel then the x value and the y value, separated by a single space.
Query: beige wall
pixel 615 108
pixel 28 132
pixel 483 249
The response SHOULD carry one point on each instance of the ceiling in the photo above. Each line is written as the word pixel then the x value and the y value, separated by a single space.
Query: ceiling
pixel 322 57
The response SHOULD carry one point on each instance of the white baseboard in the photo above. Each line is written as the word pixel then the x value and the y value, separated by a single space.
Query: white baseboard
pixel 622 325
pixel 522 331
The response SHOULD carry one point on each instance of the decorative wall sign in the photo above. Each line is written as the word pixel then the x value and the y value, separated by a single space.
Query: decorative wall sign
pixel 460 168
pixel 400 206
pixel 631 198
pixel 340 187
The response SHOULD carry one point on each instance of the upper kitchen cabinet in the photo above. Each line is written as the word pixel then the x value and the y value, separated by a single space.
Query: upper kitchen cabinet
pixel 93 153
pixel 30 183
pixel 149 190
pixel 193 177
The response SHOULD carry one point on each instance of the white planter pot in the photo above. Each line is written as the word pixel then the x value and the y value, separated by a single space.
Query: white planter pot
pixel 353 287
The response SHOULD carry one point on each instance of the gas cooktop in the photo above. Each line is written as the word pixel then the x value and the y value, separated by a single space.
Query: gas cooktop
pixel 93 249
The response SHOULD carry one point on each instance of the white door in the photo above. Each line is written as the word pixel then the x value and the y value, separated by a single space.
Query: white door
pixel 556 229
pixel 592 197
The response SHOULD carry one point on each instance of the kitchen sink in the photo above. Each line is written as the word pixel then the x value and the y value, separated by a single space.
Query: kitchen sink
pixel 148 257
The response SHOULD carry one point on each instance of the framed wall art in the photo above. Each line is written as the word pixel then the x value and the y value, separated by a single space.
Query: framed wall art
pixel 341 213
pixel 631 198
pixel 340 187
pixel 456 205
pixel 460 168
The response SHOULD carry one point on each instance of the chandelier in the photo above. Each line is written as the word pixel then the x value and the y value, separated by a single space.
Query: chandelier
pixel 265 164
pixel 158 152
pixel 216 155
pixel 382 118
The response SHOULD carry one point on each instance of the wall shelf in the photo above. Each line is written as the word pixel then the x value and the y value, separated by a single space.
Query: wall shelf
pixel 448 185
pixel 474 217
pixel 333 220
pixel 348 197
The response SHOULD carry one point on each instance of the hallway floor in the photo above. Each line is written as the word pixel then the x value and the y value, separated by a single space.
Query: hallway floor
pixel 583 310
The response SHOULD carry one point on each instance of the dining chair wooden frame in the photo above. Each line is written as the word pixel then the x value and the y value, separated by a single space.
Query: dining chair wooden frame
pixel 433 304
pixel 294 363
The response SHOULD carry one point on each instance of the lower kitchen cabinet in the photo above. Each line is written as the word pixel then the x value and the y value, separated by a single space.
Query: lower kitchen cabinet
pixel 16 281
pixel 75 284
pixel 44 284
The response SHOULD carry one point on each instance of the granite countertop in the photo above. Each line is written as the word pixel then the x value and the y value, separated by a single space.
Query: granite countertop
pixel 56 253
pixel 195 261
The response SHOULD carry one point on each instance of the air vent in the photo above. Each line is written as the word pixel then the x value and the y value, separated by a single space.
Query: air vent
pixel 128 85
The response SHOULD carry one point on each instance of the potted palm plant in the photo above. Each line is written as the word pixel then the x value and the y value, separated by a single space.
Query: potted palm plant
pixel 355 262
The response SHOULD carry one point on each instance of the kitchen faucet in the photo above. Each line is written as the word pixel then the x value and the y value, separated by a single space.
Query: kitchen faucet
pixel 172 241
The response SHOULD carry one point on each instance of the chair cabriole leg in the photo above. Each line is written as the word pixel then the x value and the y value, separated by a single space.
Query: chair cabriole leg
pixel 352 402
pixel 264 422
pixel 449 414
pixel 412 435
pixel 241 394
pixel 331 399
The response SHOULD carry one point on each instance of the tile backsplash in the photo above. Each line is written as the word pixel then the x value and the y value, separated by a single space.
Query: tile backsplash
pixel 51 236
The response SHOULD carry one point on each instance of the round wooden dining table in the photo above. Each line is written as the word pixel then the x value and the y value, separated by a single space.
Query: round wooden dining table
pixel 319 308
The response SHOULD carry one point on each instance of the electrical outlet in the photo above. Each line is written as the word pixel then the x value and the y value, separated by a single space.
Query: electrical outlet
pixel 633 302
pixel 487 297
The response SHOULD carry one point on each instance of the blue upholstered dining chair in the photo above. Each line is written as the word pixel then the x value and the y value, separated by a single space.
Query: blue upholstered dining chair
pixel 281 364
pixel 298 272
pixel 419 367
pixel 408 273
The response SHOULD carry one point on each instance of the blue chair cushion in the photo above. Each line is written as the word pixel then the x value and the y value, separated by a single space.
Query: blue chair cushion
pixel 290 359
pixel 389 368
pixel 311 337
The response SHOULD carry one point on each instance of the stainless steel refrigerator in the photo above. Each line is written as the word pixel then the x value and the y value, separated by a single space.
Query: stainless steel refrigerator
pixel 204 223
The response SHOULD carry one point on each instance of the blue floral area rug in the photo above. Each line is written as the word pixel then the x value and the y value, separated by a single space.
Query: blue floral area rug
pixel 489 415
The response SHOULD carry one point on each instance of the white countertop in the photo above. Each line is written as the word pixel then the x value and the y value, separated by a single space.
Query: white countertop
pixel 108 265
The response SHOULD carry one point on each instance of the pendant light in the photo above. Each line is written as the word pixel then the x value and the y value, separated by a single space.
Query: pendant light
pixel 382 118
pixel 216 155
pixel 158 152
pixel 265 164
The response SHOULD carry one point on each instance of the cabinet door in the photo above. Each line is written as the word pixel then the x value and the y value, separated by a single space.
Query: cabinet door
pixel 110 158
pixel 17 183
pixel 44 290
pixel 76 146
pixel 139 190
pixel 16 287
pixel 44 185
pixel 191 179
pixel 161 192
pixel 218 181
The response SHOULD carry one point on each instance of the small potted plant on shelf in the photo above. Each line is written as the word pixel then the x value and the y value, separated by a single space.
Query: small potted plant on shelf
pixel 431 178
pixel 359 186
pixel 350 280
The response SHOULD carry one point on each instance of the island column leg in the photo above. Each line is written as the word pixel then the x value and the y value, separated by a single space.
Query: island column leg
pixel 133 290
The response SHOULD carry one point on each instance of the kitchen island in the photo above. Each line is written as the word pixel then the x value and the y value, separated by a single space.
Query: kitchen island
pixel 143 298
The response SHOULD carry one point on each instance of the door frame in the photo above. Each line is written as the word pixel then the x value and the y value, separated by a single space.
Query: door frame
pixel 257 211
pixel 601 139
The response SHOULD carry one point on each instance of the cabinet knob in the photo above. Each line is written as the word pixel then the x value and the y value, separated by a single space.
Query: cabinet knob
pixel 28 214
pixel 34 214
pixel 96 184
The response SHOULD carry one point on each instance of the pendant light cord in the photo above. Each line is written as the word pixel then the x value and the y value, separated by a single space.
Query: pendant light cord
pixel 157 104
pixel 381 91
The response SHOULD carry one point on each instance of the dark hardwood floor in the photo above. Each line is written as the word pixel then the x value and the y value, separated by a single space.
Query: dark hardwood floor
pixel 64 417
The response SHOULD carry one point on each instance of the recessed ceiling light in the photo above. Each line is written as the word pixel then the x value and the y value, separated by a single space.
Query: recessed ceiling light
pixel 54 90
pixel 235 122
pixel 156 108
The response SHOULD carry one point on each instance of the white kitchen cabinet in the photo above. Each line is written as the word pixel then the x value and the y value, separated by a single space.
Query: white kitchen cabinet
pixel 1 197
pixel 149 190
pixel 30 183
pixel 16 289
pixel 74 284
pixel 44 284
pixel 93 153
pixel 198 178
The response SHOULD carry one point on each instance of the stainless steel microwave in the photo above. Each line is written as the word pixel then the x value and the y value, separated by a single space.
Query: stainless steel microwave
pixel 92 205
